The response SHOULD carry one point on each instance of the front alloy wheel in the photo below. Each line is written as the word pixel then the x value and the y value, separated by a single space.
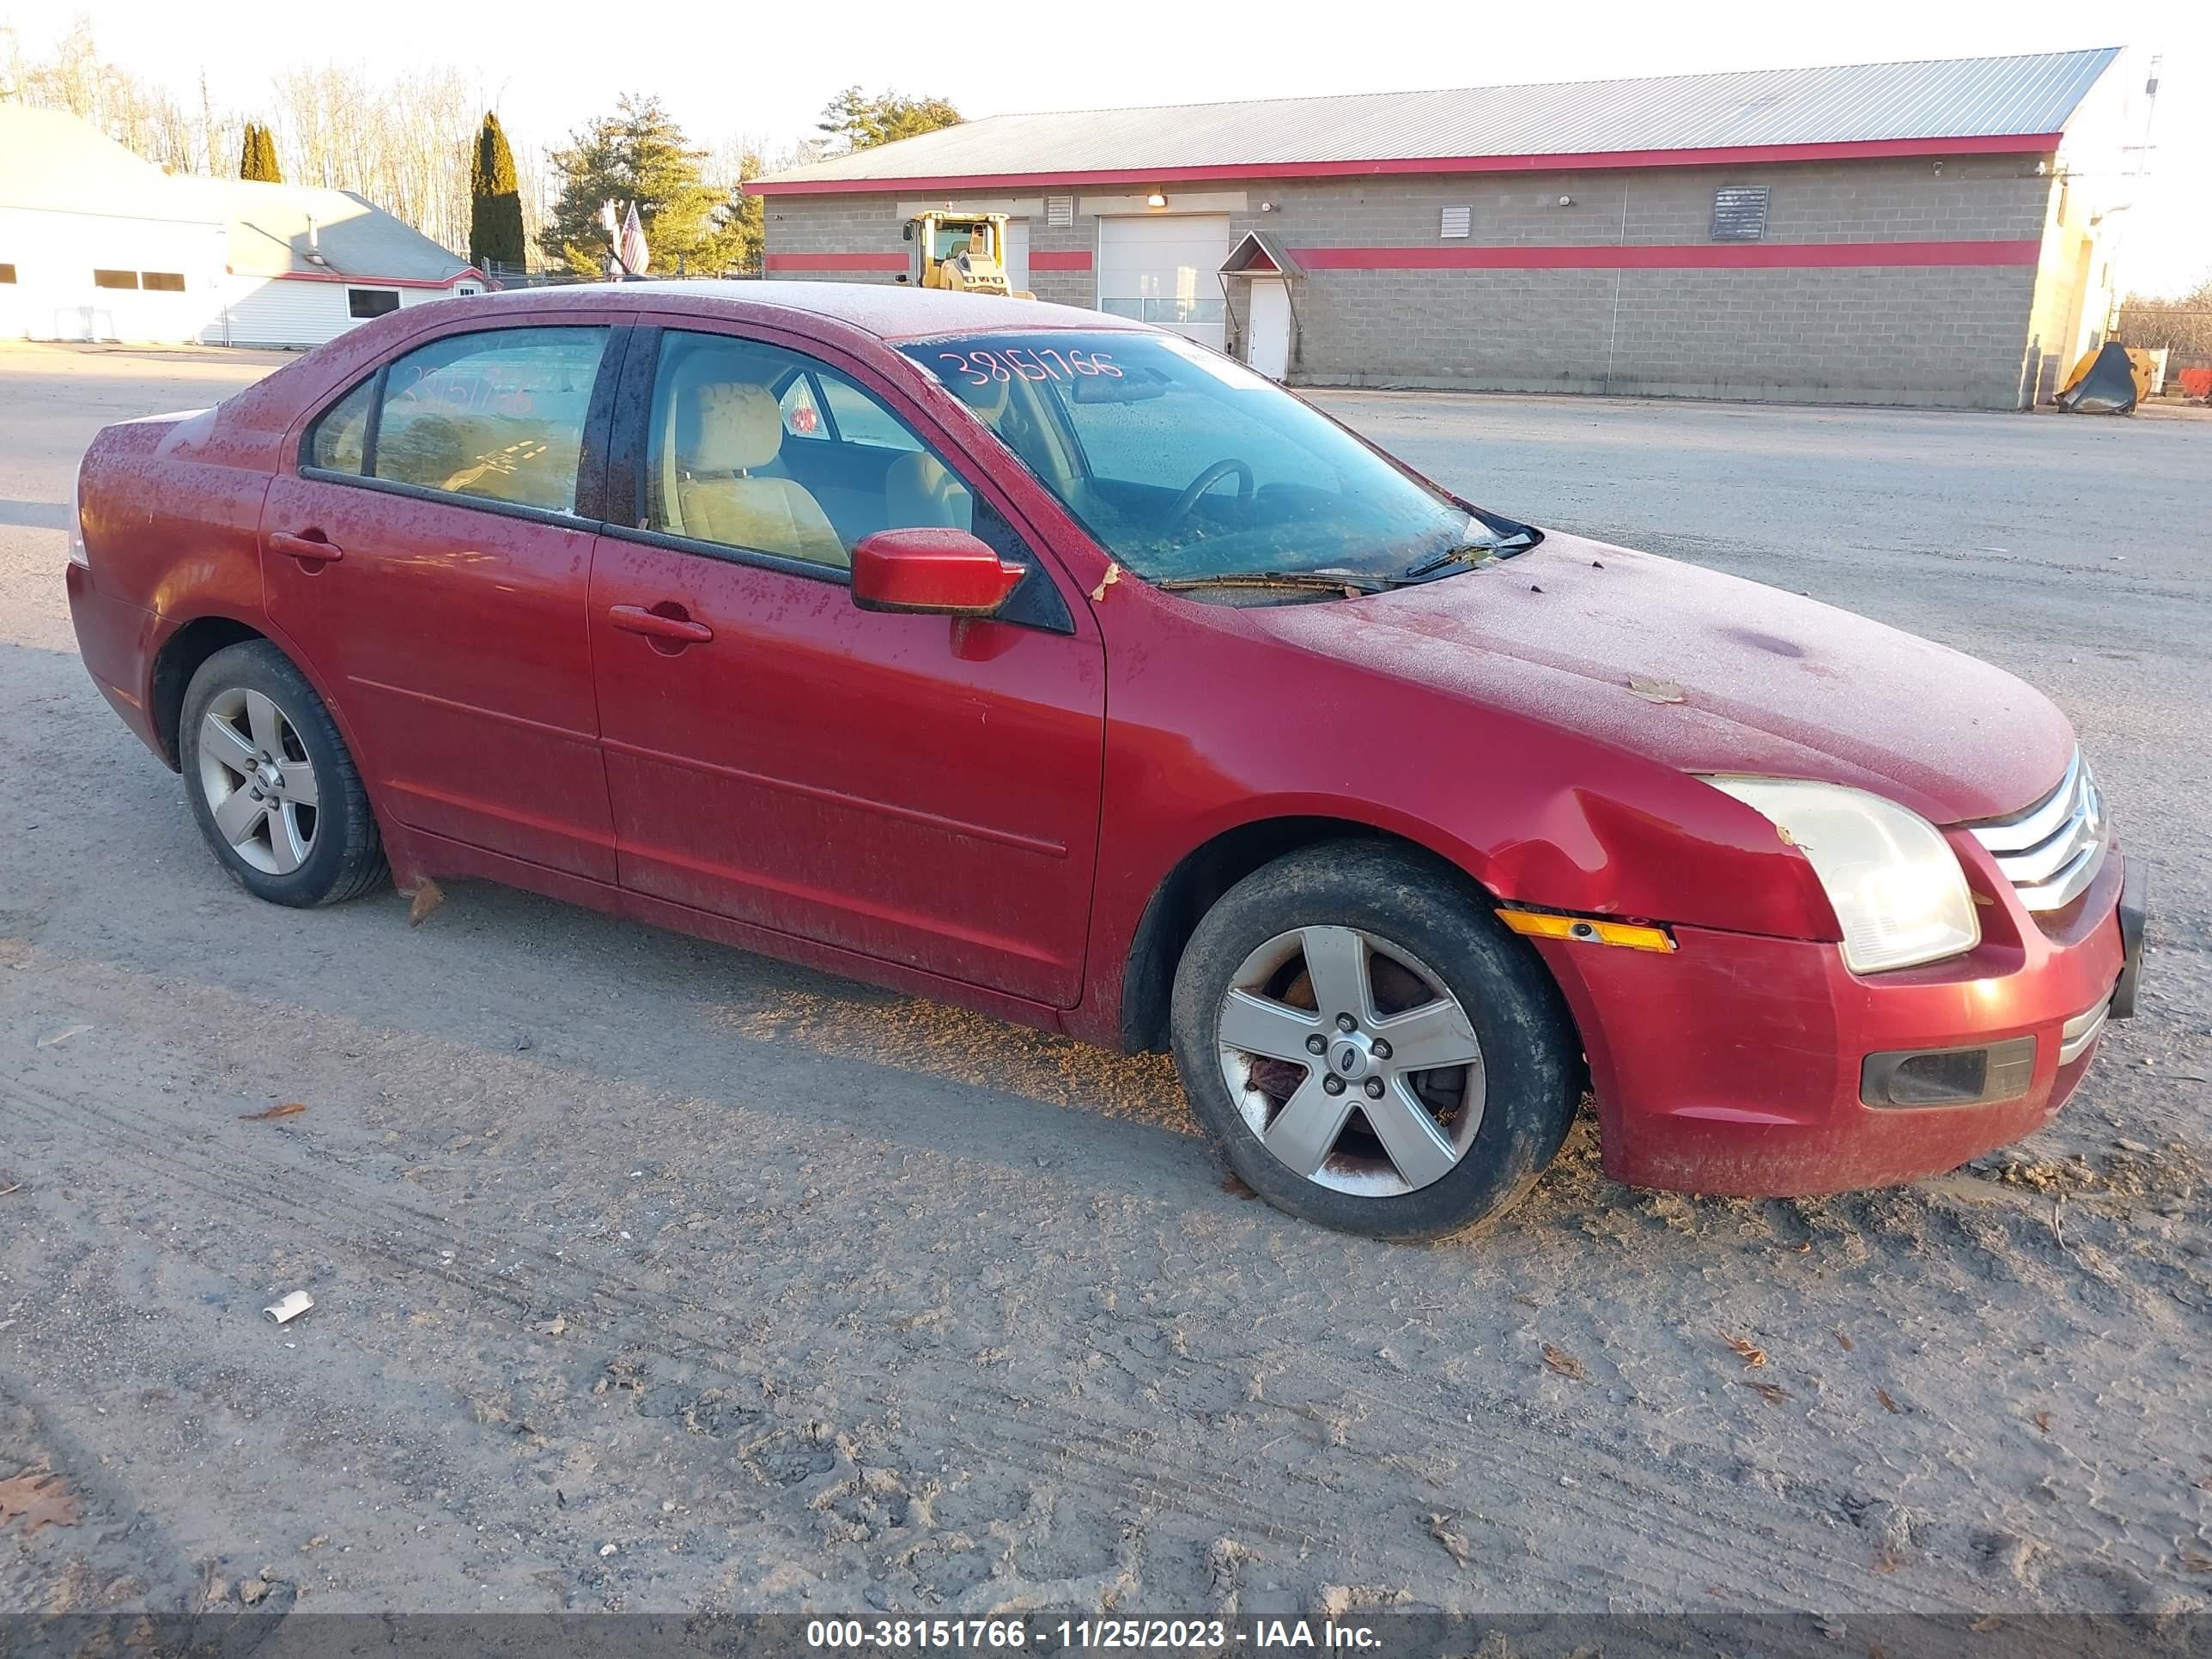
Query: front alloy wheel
pixel 1351 1062
pixel 1371 1049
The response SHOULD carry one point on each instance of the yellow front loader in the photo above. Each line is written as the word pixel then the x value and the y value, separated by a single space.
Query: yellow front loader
pixel 964 251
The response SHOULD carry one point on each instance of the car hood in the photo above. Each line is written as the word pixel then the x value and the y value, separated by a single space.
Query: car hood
pixel 1706 672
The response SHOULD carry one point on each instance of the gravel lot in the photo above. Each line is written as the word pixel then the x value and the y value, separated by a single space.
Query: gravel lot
pixel 652 1275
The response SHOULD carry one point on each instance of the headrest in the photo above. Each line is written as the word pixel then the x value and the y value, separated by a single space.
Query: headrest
pixel 988 400
pixel 739 427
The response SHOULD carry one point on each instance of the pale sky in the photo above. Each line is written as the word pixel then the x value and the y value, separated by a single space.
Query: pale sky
pixel 765 71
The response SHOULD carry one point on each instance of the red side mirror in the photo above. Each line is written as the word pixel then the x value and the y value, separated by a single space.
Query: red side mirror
pixel 942 571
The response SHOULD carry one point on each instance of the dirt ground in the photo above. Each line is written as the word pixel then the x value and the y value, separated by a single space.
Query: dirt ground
pixel 652 1275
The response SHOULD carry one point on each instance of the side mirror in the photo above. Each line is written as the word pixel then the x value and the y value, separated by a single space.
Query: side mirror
pixel 944 572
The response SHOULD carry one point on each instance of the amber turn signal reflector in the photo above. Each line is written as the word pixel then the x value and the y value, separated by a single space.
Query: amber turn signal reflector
pixel 1587 930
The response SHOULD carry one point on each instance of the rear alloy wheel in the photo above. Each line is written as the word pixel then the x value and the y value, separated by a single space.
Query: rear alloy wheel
pixel 271 782
pixel 1373 1051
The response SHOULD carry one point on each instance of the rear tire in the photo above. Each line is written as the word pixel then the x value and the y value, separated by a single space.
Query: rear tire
pixel 271 784
pixel 1307 1001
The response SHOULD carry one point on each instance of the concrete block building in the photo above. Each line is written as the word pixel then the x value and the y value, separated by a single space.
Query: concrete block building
pixel 1925 234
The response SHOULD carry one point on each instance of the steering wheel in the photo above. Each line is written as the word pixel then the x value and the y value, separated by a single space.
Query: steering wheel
pixel 1205 481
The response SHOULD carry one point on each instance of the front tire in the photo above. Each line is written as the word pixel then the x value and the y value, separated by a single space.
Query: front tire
pixel 1372 1049
pixel 271 784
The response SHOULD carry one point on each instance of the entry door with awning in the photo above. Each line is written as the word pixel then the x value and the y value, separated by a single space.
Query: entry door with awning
pixel 1165 269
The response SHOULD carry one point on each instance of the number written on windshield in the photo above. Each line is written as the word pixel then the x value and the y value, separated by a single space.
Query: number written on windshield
pixel 1038 364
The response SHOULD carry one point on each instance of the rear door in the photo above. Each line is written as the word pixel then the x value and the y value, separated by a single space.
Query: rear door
pixel 430 554
pixel 917 789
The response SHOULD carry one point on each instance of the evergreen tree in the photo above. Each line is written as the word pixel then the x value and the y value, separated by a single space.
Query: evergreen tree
pixel 862 122
pixel 494 201
pixel 639 155
pixel 258 158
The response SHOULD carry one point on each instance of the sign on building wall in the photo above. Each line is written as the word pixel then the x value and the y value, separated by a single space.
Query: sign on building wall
pixel 1739 213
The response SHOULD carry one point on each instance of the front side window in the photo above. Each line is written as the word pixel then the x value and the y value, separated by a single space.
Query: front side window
pixel 755 447
pixel 1184 464
pixel 498 415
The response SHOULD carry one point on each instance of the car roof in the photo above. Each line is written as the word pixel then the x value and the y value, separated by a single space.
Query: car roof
pixel 890 312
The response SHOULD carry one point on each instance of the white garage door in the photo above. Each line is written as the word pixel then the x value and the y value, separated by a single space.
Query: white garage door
pixel 1166 270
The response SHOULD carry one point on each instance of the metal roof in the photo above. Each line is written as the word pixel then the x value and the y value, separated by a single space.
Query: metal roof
pixel 1957 98
pixel 53 162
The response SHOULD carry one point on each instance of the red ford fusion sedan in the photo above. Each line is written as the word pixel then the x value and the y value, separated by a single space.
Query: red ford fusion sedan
pixel 1050 664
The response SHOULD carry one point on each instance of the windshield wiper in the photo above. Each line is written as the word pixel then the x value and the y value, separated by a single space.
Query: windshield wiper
pixel 1472 553
pixel 1318 580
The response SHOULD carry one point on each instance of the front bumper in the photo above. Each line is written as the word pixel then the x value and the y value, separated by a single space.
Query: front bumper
pixel 1735 1064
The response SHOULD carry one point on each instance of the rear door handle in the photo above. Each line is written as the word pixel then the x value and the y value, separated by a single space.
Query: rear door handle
pixel 313 549
pixel 659 625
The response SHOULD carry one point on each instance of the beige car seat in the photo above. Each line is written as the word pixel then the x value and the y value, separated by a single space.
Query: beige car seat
pixel 735 429
pixel 920 491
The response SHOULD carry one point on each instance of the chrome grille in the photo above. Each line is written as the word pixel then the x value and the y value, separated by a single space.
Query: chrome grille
pixel 2054 850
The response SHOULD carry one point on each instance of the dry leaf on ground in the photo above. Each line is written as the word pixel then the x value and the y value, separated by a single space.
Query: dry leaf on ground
pixel 1773 1393
pixel 1844 1341
pixel 1750 1352
pixel 2195 1561
pixel 289 1108
pixel 1887 1404
pixel 39 1497
pixel 1564 1363
pixel 2043 1421
pixel 1440 1529
pixel 428 897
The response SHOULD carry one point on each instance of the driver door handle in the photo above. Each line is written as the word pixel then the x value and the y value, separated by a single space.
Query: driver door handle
pixel 658 625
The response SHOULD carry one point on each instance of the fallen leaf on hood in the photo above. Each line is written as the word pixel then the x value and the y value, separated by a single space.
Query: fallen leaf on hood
pixel 1750 1352
pixel 1655 691
pixel 1113 574
pixel 289 1108
pixel 1773 1393
pixel 39 1497
pixel 1564 1363
pixel 428 897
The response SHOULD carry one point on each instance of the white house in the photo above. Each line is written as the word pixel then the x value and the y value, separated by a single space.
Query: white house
pixel 96 244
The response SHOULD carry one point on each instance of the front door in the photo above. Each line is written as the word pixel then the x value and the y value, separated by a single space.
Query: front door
pixel 918 789
pixel 1269 349
pixel 427 556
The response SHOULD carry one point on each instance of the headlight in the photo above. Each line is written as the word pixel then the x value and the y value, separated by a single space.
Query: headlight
pixel 1895 883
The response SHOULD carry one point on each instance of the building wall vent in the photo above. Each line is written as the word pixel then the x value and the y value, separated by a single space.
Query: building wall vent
pixel 1455 221
pixel 1059 211
pixel 1739 213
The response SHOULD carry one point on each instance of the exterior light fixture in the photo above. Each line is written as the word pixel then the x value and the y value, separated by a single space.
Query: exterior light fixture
pixel 1156 200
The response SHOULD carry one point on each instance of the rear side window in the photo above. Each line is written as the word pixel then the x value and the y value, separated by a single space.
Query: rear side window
pixel 498 416
pixel 340 440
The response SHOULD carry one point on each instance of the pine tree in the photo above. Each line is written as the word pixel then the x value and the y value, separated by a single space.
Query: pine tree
pixel 862 122
pixel 494 201
pixel 639 155
pixel 258 159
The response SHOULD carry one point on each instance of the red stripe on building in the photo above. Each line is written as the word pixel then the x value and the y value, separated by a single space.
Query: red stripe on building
pixel 472 274
pixel 1692 256
pixel 835 262
pixel 1861 149
pixel 1078 260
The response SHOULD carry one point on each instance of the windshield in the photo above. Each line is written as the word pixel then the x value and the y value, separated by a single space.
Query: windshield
pixel 1185 464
